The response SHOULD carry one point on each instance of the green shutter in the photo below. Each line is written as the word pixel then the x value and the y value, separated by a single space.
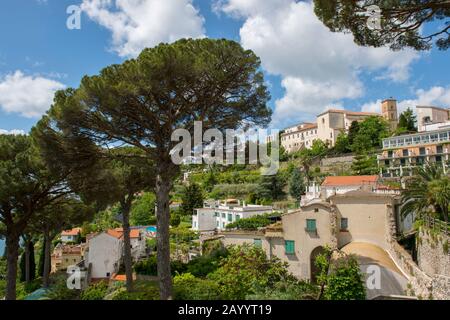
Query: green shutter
pixel 230 217
pixel 257 243
pixel 289 246
pixel 311 225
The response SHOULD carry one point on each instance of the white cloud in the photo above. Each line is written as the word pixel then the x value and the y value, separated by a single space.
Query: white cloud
pixel 435 96
pixel 319 68
pixel 30 96
pixel 13 132
pixel 136 24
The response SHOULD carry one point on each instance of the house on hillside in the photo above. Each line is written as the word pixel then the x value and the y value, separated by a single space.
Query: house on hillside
pixel 359 222
pixel 222 213
pixel 64 256
pixel 72 235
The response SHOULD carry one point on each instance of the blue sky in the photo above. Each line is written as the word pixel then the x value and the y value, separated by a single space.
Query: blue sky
pixel 308 69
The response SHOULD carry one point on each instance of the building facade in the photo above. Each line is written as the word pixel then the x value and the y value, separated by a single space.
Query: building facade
pixel 298 137
pixel 430 115
pixel 72 235
pixel 218 216
pixel 332 122
pixel 402 153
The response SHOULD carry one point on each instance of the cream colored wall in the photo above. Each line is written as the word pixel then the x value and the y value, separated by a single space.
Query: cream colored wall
pixel 294 226
pixel 367 220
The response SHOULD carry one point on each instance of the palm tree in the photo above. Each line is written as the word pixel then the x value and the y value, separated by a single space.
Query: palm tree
pixel 428 189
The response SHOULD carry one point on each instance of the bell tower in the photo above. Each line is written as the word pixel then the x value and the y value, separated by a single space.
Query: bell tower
pixel 389 112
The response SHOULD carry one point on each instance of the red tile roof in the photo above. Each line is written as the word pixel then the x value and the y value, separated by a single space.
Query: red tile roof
pixel 72 232
pixel 349 180
pixel 118 233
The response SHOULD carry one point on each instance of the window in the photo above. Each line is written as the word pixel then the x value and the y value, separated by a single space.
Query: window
pixel 108 274
pixel 217 224
pixel 230 217
pixel 439 149
pixel 439 159
pixel 216 214
pixel 386 162
pixel 257 243
pixel 405 152
pixel 390 153
pixel 289 246
pixel 344 224
pixel 316 209
pixel 421 151
pixel 311 225
pixel 238 217
pixel 223 214
pixel 403 162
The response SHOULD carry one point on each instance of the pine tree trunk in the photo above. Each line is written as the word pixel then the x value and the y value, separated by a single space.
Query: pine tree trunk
pixel 126 206
pixel 12 254
pixel 47 257
pixel 163 185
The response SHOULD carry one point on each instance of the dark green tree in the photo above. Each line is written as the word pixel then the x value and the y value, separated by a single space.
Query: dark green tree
pixel 402 22
pixel 143 210
pixel 270 188
pixel 364 164
pixel 370 135
pixel 27 262
pixel 192 198
pixel 342 144
pixel 353 132
pixel 296 185
pixel 407 121
pixel 142 101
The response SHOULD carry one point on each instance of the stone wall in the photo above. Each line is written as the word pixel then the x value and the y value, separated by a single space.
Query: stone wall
pixel 331 161
pixel 433 255
pixel 425 282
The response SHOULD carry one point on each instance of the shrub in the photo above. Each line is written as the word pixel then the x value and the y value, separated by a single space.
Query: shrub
pixel 149 266
pixel 252 223
pixel 188 287
pixel 203 265
pixel 95 291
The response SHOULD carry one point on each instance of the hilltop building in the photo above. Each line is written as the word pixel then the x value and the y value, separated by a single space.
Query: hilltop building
pixel 389 113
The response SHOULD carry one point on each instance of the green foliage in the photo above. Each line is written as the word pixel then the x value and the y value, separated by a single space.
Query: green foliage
pixel 188 287
pixel 342 144
pixel 221 191
pixel 149 266
pixel 192 198
pixel 2 268
pixel 245 268
pixel 270 188
pixel 339 276
pixel 428 187
pixel 32 262
pixel 353 132
pixel 286 290
pixel 296 185
pixel 142 290
pixel 364 164
pixel 59 290
pixel 252 223
pixel 372 131
pixel 345 280
pixel 397 19
pixel 407 121
pixel 143 210
pixel 96 291
pixel 207 263
pixel 175 220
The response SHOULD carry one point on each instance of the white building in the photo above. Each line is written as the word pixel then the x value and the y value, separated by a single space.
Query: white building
pixel 71 235
pixel 334 185
pixel 332 122
pixel 427 116
pixel 217 217
pixel 105 254
pixel 299 136
pixel 106 251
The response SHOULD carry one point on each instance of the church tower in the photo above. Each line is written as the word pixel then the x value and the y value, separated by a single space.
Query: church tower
pixel 389 112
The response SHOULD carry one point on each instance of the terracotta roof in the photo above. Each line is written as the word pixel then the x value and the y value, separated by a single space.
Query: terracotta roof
pixel 355 113
pixel 72 232
pixel 306 126
pixel 118 233
pixel 121 277
pixel 349 180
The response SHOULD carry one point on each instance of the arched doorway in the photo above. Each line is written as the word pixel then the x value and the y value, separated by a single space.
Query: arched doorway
pixel 312 259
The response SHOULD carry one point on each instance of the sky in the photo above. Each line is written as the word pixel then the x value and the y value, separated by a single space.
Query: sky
pixel 308 69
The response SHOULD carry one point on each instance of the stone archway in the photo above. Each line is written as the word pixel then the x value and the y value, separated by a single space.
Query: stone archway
pixel 314 270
